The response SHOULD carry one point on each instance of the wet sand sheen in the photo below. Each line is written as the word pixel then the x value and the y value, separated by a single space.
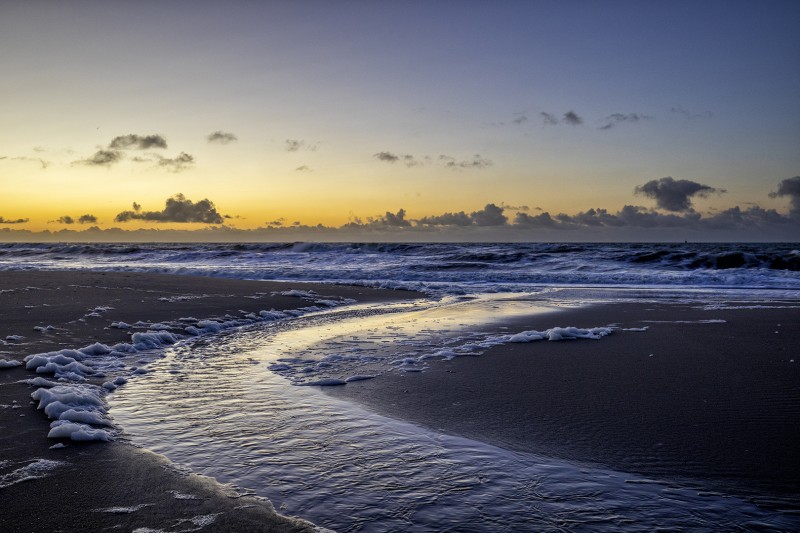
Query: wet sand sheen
pixel 716 401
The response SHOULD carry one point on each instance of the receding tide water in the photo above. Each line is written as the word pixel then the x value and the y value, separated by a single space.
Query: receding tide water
pixel 232 405
pixel 215 407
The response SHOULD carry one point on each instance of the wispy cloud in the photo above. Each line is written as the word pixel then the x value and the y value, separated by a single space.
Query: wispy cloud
pixel 39 160
pixel 4 220
pixel 548 119
pixel 690 115
pixel 387 157
pixel 520 119
pixel 83 219
pixel 617 118
pixel 179 163
pixel 295 145
pixel 476 162
pixel 102 158
pixel 570 117
pixel 303 168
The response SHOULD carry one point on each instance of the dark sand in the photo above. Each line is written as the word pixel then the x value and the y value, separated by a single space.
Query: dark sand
pixel 99 476
pixel 717 403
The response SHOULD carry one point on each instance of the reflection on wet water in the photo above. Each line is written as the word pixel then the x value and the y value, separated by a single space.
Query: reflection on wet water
pixel 214 407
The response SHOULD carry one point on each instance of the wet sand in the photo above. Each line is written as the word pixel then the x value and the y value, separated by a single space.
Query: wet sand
pixel 99 486
pixel 716 402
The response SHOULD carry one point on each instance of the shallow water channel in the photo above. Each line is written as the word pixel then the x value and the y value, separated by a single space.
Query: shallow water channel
pixel 214 406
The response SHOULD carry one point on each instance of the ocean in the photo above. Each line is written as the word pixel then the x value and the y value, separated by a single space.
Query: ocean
pixel 244 401
pixel 440 268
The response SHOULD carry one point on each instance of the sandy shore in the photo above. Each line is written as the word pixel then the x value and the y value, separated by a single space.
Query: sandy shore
pixel 711 396
pixel 99 486
pixel 717 402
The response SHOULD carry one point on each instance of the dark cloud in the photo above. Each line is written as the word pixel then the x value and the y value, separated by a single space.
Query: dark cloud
pixel 181 162
pixel 628 216
pixel 103 158
pixel 4 220
pixel 447 219
pixel 542 220
pixel 66 219
pixel 222 137
pixel 137 142
pixel 388 157
pixel 754 216
pixel 592 217
pixel 277 223
pixel 790 187
pixel 674 195
pixel 548 119
pixel 572 118
pixel 396 220
pixel 387 220
pixel 304 168
pixel 177 209
pixel 632 215
pixel 490 215
pixel 616 118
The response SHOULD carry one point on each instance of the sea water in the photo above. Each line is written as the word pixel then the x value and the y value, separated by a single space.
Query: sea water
pixel 215 407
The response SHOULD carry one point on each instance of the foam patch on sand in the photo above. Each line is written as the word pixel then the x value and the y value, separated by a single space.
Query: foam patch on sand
pixel 38 469
pixel 560 334
pixel 341 368
pixel 77 411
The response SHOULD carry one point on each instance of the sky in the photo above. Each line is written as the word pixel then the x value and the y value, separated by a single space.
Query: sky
pixel 412 120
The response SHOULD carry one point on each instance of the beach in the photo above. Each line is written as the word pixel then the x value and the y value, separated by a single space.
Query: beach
pixel 93 486
pixel 707 396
